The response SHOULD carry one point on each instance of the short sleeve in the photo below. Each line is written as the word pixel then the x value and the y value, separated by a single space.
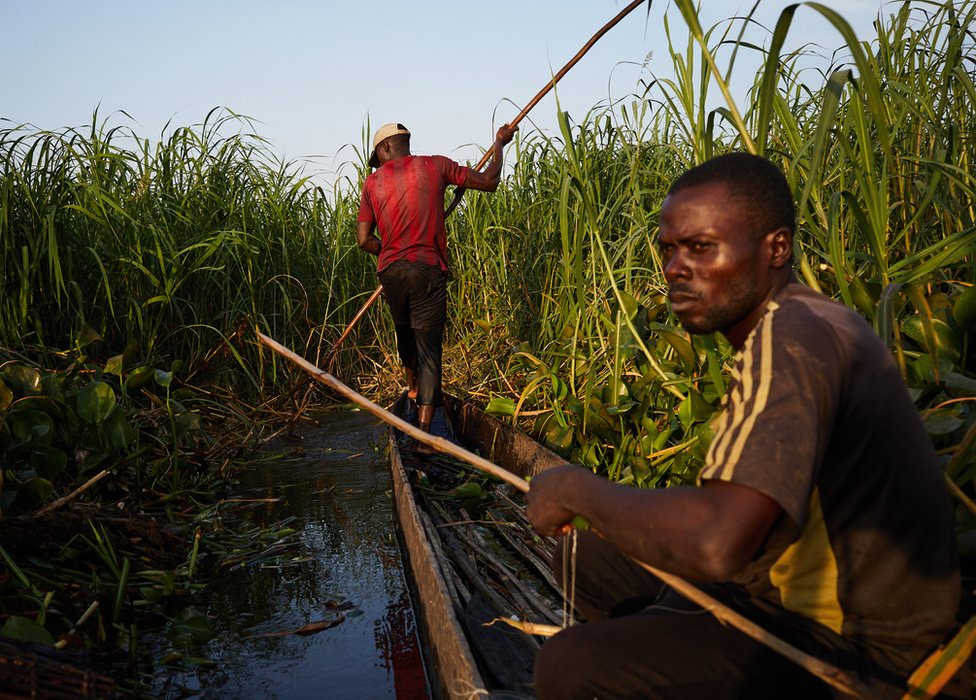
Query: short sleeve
pixel 780 407
pixel 452 172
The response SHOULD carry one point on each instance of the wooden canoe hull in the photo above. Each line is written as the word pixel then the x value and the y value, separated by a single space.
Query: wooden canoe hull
pixel 450 661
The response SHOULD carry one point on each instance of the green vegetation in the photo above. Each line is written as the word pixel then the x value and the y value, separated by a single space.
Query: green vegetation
pixel 133 273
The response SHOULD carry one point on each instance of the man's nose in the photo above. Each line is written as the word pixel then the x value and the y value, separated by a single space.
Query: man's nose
pixel 675 267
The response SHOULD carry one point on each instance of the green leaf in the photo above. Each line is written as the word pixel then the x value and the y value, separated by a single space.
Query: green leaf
pixel 926 330
pixel 942 423
pixel 682 347
pixel 960 384
pixel 96 402
pixel 559 438
pixel 47 461
pixel 114 365
pixel 120 433
pixel 694 409
pixel 500 407
pixel 35 427
pixel 87 336
pixel 32 493
pixel 26 630
pixel 559 389
pixel 137 379
pixel 964 310
pixel 163 378
pixel 23 379
pixel 469 489
pixel 6 396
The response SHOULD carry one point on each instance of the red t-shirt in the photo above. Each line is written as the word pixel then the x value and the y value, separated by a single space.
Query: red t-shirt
pixel 404 199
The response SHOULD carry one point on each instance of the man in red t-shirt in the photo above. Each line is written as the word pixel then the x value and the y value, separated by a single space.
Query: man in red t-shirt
pixel 404 199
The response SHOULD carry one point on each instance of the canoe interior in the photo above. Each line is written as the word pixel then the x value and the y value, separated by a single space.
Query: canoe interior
pixel 465 571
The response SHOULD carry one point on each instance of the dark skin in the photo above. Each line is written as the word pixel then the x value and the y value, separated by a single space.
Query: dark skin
pixel 720 278
pixel 485 180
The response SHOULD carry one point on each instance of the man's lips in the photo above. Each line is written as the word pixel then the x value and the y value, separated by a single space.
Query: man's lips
pixel 681 299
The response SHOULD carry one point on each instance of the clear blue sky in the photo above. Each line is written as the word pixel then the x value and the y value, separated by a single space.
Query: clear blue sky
pixel 312 72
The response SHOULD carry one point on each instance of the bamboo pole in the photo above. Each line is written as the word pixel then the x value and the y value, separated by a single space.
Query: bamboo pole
pixel 459 192
pixel 830 674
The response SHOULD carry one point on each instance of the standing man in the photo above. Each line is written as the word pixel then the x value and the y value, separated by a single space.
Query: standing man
pixel 821 512
pixel 404 199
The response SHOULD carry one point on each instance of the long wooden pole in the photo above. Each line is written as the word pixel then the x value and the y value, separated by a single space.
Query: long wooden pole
pixel 459 192
pixel 829 673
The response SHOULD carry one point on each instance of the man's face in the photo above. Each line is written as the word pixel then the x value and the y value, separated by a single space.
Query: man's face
pixel 718 274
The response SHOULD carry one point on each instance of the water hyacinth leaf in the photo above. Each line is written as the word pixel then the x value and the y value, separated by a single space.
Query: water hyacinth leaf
pixel 23 379
pixel 694 409
pixel 185 422
pixel 32 493
pixel 114 365
pixel 137 379
pixel 6 396
pixel 25 630
pixel 87 336
pixel 500 406
pixel 163 378
pixel 925 371
pixel 469 489
pixel 52 386
pixel 120 433
pixel 927 331
pixel 559 438
pixel 195 624
pixel 942 422
pixel 96 402
pixel 964 310
pixel 559 388
pixel 32 427
pixel 622 407
pixel 960 385
pixel 681 345
pixel 628 305
pixel 48 461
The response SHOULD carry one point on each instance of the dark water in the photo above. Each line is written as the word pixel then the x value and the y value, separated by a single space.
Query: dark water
pixel 346 550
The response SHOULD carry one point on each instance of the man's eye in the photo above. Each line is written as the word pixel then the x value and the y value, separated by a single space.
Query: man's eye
pixel 699 247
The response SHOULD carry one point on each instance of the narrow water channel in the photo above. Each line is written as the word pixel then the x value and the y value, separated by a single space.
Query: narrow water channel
pixel 345 564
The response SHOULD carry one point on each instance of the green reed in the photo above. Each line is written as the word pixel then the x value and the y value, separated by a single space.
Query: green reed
pixel 877 146
pixel 167 248
pixel 176 248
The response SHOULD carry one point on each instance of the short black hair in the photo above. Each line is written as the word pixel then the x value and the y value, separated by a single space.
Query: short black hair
pixel 758 186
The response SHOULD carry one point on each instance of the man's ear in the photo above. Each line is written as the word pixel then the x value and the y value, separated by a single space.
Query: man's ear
pixel 780 244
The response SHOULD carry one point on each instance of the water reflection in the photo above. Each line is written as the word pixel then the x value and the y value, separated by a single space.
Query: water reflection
pixel 339 493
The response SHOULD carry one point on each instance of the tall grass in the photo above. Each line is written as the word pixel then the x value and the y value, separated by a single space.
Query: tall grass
pixel 878 146
pixel 557 306
pixel 166 248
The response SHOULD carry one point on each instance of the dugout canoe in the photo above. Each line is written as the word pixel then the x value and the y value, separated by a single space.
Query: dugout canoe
pixel 472 560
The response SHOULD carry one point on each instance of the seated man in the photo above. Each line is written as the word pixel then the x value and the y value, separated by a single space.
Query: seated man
pixel 821 512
